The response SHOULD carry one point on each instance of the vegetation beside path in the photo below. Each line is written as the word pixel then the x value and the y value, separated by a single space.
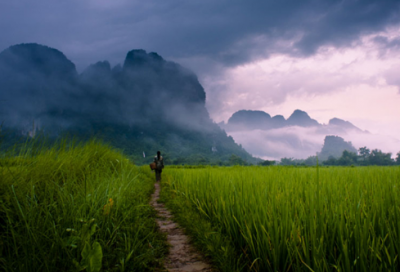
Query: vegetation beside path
pixel 76 207
pixel 291 218
pixel 208 239
pixel 85 207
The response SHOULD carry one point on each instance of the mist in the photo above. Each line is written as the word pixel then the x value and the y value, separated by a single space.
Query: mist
pixel 144 105
pixel 299 136
pixel 39 84
pixel 302 142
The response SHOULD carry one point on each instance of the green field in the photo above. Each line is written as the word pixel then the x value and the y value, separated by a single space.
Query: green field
pixel 76 207
pixel 290 218
pixel 85 207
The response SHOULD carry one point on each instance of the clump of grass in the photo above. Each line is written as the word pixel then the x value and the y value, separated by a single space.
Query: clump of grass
pixel 299 219
pixel 76 206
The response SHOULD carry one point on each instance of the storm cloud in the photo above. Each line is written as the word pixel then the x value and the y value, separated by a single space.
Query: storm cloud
pixel 229 32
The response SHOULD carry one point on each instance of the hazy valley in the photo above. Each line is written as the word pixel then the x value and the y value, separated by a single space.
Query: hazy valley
pixel 299 136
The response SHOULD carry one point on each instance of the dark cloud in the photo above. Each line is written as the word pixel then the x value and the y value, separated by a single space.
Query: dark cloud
pixel 340 23
pixel 385 44
pixel 228 32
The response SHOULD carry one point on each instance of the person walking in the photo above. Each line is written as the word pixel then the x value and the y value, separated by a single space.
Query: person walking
pixel 159 165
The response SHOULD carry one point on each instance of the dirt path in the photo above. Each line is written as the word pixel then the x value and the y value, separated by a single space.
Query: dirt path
pixel 182 256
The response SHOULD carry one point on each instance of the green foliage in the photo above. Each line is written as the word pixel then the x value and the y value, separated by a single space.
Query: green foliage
pixel 296 219
pixel 365 157
pixel 236 160
pixel 287 161
pixel 75 207
pixel 91 257
pixel 375 157
pixel 310 161
pixel 347 158
pixel 330 161
pixel 364 152
pixel 178 145
pixel 92 253
pixel 266 163
pixel 291 161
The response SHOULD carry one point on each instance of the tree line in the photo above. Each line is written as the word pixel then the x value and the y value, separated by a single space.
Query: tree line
pixel 363 157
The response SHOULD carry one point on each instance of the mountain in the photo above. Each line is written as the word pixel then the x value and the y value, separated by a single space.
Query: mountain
pixel 145 105
pixel 247 119
pixel 346 125
pixel 33 79
pixel 278 121
pixel 302 119
pixel 251 120
pixel 34 59
pixel 334 146
pixel 299 136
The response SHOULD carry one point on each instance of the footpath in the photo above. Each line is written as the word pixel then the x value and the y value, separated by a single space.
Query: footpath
pixel 182 255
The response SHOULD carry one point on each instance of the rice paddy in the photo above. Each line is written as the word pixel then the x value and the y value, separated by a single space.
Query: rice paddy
pixel 76 208
pixel 297 219
pixel 86 208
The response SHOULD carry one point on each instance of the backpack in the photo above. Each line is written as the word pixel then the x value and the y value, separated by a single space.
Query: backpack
pixel 159 164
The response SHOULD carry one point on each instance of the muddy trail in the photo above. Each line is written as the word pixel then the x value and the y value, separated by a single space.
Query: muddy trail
pixel 182 255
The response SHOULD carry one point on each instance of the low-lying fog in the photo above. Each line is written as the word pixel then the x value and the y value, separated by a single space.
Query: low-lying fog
pixel 302 142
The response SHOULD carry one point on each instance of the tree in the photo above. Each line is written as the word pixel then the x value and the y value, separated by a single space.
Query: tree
pixel 236 160
pixel 287 161
pixel 310 161
pixel 266 163
pixel 364 152
pixel 331 161
pixel 398 158
pixel 377 157
pixel 347 158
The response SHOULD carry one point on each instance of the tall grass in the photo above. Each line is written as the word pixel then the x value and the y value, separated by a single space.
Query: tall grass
pixel 301 219
pixel 76 207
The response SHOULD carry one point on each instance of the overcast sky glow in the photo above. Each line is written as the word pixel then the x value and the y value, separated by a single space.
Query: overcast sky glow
pixel 359 83
pixel 330 58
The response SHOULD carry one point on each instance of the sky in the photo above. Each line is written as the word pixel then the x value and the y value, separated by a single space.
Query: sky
pixel 329 58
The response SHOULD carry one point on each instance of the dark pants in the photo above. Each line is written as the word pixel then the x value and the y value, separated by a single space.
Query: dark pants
pixel 158 175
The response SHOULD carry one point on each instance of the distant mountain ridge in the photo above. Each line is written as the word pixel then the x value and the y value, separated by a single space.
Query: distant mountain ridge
pixel 250 120
pixel 298 136
pixel 145 105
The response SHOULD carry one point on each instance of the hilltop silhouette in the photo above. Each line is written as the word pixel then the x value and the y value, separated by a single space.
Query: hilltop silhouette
pixel 253 119
pixel 144 105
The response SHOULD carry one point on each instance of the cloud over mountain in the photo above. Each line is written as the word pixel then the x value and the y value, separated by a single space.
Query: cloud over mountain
pixel 40 83
pixel 247 55
pixel 300 137
pixel 147 104
pixel 250 120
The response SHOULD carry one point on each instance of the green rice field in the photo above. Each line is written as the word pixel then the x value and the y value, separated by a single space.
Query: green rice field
pixel 85 207
pixel 75 207
pixel 291 218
